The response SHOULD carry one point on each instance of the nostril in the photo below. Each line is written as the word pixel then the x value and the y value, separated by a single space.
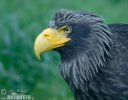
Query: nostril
pixel 46 35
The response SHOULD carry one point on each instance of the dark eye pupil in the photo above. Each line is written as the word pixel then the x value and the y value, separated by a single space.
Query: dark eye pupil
pixel 67 29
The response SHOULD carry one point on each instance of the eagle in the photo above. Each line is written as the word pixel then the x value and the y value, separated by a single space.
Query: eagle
pixel 94 55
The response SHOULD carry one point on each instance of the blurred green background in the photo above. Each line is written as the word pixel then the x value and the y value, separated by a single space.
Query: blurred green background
pixel 20 23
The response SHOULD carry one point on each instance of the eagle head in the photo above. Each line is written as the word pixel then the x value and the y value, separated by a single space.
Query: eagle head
pixel 83 41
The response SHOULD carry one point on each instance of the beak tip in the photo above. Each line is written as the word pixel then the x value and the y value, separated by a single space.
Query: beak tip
pixel 38 57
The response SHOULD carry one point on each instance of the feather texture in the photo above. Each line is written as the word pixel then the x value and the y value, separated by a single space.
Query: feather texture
pixel 95 62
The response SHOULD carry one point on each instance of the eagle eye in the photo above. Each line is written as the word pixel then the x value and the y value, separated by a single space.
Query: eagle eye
pixel 67 29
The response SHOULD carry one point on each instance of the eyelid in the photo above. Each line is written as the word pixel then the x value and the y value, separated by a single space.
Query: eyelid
pixel 61 28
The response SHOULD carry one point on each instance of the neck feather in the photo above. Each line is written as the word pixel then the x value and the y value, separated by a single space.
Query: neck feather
pixel 80 64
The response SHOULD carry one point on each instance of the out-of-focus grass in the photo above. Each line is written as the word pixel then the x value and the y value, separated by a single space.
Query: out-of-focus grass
pixel 20 23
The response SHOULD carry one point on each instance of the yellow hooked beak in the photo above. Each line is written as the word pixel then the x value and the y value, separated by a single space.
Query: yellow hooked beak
pixel 49 39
